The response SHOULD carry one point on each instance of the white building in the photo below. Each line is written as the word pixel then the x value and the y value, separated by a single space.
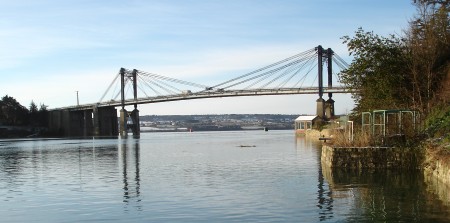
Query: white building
pixel 303 123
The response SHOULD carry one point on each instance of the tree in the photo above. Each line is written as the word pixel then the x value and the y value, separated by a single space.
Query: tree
pixel 411 72
pixel 429 44
pixel 43 115
pixel 377 72
pixel 12 112
pixel 33 107
pixel 33 114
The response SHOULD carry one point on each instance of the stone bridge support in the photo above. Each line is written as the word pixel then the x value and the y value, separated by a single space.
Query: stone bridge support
pixel 68 123
pixel 124 125
pixel 329 108
pixel 83 123
pixel 135 118
pixel 123 128
pixel 105 121
pixel 58 122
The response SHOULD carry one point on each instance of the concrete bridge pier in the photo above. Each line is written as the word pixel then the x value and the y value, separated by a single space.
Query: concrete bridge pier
pixel 84 122
pixel 320 109
pixel 58 121
pixel 105 121
pixel 108 121
pixel 123 117
pixel 87 123
pixel 124 125
pixel 329 108
pixel 135 118
pixel 95 122
pixel 325 109
pixel 76 123
pixel 67 123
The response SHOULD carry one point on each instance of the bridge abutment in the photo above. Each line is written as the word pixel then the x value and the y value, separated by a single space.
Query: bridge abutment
pixel 88 128
pixel 55 122
pixel 96 122
pixel 70 123
pixel 76 125
pixel 83 123
pixel 107 120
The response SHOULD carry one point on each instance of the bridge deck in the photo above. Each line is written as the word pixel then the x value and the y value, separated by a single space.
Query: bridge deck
pixel 208 94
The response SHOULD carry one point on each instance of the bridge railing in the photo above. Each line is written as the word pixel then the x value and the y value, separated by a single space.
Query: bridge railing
pixel 208 94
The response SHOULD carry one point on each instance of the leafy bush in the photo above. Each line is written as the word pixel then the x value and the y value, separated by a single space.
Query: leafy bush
pixel 437 124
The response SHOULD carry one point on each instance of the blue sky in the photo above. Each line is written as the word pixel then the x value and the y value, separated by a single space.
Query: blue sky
pixel 50 49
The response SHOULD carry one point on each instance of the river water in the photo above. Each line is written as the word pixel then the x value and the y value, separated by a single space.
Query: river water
pixel 244 176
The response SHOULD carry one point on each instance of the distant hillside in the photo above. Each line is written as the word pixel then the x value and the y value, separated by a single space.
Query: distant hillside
pixel 261 117
pixel 225 122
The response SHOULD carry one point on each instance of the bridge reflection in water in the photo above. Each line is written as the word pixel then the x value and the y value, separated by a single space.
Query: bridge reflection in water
pixel 129 158
pixel 310 147
pixel 381 195
pixel 179 177
pixel 389 195
pixel 130 165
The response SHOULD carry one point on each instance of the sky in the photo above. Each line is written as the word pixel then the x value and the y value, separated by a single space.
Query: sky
pixel 51 49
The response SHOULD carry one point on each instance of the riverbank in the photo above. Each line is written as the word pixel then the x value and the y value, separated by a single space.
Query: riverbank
pixel 432 160
pixel 436 169
pixel 371 157
pixel 12 132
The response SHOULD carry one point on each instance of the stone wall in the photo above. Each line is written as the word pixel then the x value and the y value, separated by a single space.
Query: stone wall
pixel 436 168
pixel 434 163
pixel 371 157
pixel 317 134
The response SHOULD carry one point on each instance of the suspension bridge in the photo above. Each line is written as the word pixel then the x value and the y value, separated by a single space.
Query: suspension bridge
pixel 302 73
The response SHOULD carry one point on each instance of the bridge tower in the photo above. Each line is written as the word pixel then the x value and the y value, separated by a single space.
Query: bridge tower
pixel 325 109
pixel 134 115
pixel 329 104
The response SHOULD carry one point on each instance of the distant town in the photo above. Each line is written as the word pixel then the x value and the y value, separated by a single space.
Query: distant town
pixel 225 122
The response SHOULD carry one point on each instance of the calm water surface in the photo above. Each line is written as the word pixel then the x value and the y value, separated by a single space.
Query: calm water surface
pixel 249 176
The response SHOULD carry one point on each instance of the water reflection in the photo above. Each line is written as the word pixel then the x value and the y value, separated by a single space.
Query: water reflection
pixel 201 177
pixel 325 200
pixel 441 190
pixel 385 195
pixel 129 149
pixel 324 193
